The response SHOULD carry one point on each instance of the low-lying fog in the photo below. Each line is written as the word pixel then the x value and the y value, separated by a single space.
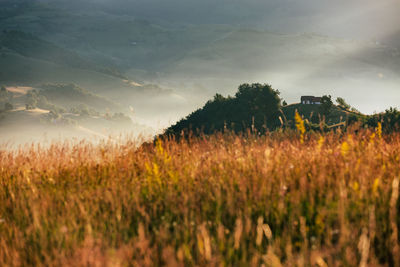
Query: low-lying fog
pixel 100 67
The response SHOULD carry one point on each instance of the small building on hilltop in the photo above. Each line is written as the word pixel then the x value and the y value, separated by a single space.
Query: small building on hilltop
pixel 311 100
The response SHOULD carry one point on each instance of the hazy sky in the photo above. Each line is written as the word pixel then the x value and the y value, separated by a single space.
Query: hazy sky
pixel 349 18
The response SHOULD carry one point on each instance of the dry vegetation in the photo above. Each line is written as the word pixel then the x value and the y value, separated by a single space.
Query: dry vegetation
pixel 224 200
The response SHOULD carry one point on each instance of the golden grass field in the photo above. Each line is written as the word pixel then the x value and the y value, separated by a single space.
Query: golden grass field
pixel 283 199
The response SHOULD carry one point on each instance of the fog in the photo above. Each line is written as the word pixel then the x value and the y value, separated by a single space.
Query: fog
pixel 365 19
pixel 155 61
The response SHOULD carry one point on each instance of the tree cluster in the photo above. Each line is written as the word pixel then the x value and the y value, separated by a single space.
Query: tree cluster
pixel 390 120
pixel 254 106
pixel 34 99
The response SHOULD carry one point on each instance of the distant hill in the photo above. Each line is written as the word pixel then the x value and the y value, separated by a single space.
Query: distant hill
pixel 30 46
pixel 70 95
pixel 22 126
pixel 29 60
pixel 61 110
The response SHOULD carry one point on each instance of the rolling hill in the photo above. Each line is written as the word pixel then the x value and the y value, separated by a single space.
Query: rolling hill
pixel 70 95
pixel 313 114
pixel 257 107
pixel 54 112
pixel 30 46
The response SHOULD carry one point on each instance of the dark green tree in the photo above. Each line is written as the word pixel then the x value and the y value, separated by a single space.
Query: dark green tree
pixel 326 105
pixel 254 106
pixel 257 105
pixel 258 98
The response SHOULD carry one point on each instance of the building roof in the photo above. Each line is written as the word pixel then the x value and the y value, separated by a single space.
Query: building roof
pixel 311 98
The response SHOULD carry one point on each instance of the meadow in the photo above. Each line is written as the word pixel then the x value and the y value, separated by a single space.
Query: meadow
pixel 282 199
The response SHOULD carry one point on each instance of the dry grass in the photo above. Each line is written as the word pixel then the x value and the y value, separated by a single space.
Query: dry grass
pixel 225 200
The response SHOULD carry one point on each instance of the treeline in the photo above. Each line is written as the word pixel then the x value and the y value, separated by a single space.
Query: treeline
pixel 257 108
pixel 390 120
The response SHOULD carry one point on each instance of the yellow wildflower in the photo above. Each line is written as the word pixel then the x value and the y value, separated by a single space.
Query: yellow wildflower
pixel 300 126
pixel 321 141
pixel 345 148
pixel 356 186
pixel 378 130
pixel 375 186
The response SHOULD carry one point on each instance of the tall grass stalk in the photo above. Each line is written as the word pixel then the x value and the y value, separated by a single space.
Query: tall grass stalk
pixel 222 200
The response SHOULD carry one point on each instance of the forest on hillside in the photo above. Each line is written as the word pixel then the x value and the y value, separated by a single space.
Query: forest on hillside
pixel 259 108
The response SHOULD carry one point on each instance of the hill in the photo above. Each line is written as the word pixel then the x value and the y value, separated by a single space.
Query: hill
pixel 20 126
pixel 57 111
pixel 258 108
pixel 70 95
pixel 29 60
pixel 313 113
pixel 31 46
pixel 254 106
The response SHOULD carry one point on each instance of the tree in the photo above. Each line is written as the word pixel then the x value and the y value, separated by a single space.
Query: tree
pixel 257 105
pixel 326 105
pixel 342 103
pixel 284 103
pixel 254 106
pixel 3 89
pixel 258 98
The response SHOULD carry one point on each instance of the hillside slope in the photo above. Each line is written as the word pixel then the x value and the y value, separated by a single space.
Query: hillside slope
pixel 28 60
pixel 70 95
pixel 257 108
pixel 313 114
pixel 31 46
